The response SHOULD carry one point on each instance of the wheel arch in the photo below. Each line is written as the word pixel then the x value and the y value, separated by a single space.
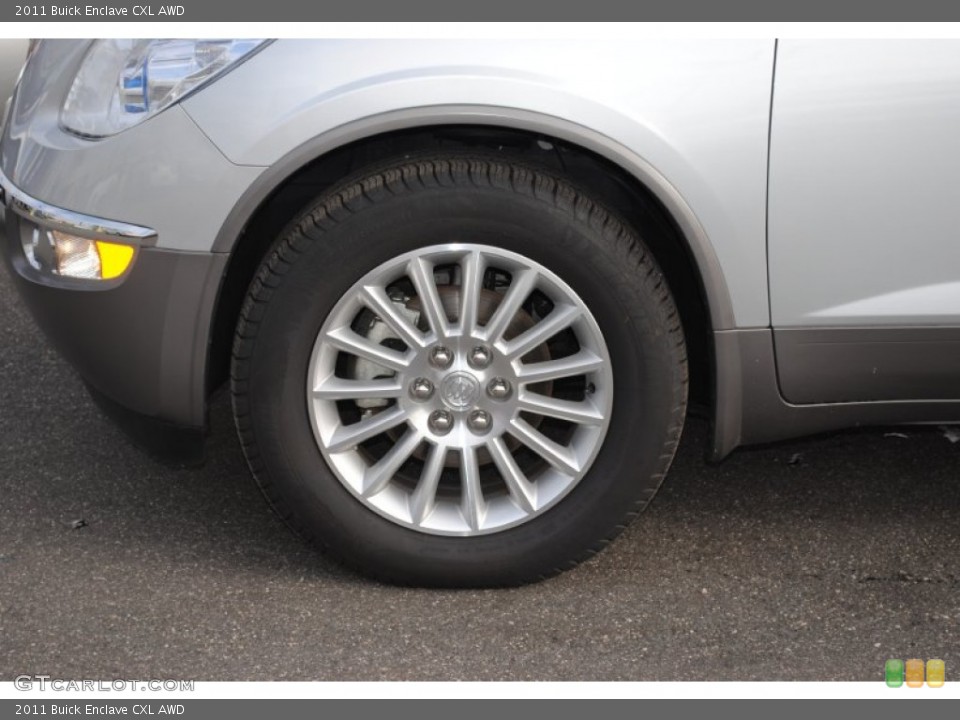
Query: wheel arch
pixel 682 248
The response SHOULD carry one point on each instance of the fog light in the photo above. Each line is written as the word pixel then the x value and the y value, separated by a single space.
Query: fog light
pixel 76 257
pixel 72 256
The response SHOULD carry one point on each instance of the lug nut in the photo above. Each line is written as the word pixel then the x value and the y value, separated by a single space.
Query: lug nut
pixel 440 422
pixel 441 357
pixel 421 389
pixel 479 421
pixel 499 388
pixel 480 357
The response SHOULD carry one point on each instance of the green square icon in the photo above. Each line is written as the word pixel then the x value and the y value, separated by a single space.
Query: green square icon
pixel 893 673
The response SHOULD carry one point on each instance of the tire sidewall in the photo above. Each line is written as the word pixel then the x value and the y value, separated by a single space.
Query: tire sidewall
pixel 598 259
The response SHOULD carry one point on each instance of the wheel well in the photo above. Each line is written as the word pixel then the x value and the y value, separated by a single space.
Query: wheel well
pixel 623 193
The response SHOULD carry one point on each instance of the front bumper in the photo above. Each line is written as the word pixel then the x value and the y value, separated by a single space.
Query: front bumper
pixel 139 342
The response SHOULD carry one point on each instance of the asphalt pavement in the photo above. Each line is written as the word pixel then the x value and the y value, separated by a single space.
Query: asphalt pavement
pixel 810 560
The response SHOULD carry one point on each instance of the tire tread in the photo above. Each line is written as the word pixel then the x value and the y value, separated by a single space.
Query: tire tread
pixel 414 176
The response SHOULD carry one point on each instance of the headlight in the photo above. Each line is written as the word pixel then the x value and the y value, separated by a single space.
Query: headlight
pixel 123 82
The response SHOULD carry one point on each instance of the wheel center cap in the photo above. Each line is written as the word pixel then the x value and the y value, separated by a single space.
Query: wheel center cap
pixel 460 390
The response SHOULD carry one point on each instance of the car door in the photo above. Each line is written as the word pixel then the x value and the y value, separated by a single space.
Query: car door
pixel 864 220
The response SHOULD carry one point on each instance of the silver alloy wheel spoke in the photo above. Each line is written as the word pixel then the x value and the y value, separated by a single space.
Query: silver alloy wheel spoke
pixel 347 340
pixel 519 290
pixel 472 267
pixel 521 490
pixel 461 432
pixel 583 412
pixel 347 437
pixel 559 456
pixel 335 388
pixel 376 477
pixel 423 499
pixel 471 499
pixel 560 318
pixel 421 274
pixel 581 363
pixel 376 298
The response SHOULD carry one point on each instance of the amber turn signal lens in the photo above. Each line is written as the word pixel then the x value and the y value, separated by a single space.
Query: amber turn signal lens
pixel 114 259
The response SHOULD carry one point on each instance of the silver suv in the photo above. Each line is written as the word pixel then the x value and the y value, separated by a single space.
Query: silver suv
pixel 463 291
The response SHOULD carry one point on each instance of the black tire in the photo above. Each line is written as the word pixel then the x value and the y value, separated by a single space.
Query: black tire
pixel 411 204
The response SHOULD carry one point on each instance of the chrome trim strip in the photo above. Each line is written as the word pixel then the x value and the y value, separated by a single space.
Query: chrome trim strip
pixel 69 221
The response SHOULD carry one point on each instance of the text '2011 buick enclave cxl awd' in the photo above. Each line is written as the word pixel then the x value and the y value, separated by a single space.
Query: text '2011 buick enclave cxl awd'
pixel 459 290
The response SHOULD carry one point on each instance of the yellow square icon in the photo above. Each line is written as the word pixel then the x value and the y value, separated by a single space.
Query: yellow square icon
pixel 936 670
pixel 914 673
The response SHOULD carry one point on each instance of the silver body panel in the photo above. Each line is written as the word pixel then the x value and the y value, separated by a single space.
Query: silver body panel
pixel 692 113
pixel 163 174
pixel 695 112
pixel 864 188
pixel 12 54
pixel 848 223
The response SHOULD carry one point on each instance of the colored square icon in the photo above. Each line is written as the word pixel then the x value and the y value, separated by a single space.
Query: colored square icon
pixel 893 673
pixel 914 673
pixel 936 670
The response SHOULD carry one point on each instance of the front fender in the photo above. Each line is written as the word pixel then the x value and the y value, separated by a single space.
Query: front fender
pixel 689 119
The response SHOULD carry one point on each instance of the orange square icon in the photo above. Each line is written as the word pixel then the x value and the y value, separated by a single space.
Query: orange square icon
pixel 935 673
pixel 914 673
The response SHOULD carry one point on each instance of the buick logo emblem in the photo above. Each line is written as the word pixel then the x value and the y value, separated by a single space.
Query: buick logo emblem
pixel 460 390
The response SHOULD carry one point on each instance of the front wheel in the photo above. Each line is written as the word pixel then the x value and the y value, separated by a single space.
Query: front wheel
pixel 459 371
